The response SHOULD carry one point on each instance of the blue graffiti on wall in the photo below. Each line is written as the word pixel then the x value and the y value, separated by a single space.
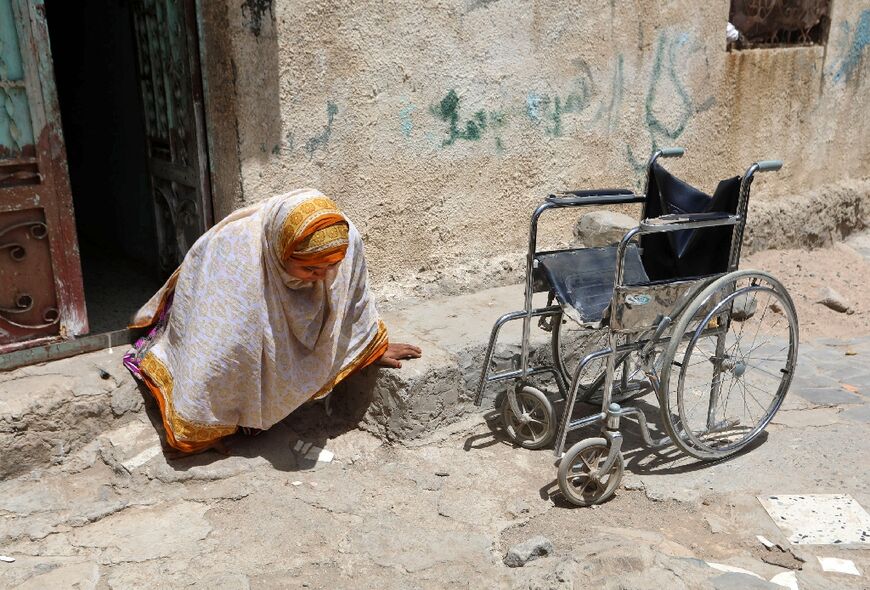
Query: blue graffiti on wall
pixel 405 119
pixel 669 105
pixel 677 103
pixel 854 53
pixel 319 141
pixel 549 109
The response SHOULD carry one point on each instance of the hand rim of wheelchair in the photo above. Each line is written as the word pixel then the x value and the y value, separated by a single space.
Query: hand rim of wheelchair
pixel 686 438
pixel 531 400
pixel 601 491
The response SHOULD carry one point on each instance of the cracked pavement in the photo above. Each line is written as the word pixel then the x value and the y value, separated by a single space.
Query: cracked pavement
pixel 439 512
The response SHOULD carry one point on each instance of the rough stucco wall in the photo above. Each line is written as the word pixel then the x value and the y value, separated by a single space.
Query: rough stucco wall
pixel 439 125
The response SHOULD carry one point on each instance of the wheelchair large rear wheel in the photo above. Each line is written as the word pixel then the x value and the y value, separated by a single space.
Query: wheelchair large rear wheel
pixel 729 364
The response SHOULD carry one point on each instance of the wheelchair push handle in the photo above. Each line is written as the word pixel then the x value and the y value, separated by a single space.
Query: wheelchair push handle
pixel 672 152
pixel 769 165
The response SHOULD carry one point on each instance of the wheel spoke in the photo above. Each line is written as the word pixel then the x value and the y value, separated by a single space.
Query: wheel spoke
pixel 592 464
pixel 582 490
pixel 750 361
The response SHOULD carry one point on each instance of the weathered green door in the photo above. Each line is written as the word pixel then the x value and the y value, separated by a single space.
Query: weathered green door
pixel 41 295
pixel 171 88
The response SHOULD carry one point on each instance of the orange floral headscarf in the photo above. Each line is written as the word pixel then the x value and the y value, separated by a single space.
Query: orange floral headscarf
pixel 315 232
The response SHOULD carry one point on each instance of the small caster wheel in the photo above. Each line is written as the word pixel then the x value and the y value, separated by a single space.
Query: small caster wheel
pixel 536 426
pixel 578 478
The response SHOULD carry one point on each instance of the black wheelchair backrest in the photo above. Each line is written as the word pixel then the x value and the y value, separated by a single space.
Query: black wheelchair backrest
pixel 693 252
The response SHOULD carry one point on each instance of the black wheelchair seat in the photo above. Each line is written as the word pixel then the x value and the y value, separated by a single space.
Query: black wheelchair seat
pixel 582 279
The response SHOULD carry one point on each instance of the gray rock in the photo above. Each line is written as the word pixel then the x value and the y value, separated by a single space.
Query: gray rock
pixel 536 547
pixel 633 483
pixel 833 300
pixel 737 581
pixel 602 228
pixel 744 307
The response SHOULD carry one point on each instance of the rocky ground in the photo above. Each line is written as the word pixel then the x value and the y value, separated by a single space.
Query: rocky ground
pixel 444 510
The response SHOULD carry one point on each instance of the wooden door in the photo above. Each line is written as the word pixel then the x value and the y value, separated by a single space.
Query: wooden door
pixel 171 88
pixel 41 295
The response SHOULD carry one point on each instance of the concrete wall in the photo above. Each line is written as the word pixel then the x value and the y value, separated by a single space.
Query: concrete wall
pixel 438 125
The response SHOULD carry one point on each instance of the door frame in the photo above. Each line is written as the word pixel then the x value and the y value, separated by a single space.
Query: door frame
pixel 52 193
pixel 72 338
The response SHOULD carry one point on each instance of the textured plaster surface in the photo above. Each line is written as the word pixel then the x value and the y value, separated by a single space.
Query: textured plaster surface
pixel 439 125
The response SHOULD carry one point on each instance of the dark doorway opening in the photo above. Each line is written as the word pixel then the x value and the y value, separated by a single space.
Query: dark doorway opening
pixel 94 54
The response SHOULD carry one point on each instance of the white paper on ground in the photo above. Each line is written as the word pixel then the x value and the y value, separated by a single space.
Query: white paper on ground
pixel 320 455
pixel 6 558
pixel 837 565
pixel 764 542
pixel 819 519
pixel 312 452
pixel 786 580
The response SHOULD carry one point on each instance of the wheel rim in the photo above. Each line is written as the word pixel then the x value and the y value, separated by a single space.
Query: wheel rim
pixel 581 484
pixel 734 373
pixel 535 426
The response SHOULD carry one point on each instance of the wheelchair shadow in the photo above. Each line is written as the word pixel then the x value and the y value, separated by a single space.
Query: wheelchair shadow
pixel 640 459
pixel 495 436
pixel 643 460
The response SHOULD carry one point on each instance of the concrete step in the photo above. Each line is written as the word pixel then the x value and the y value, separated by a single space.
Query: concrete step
pixel 50 410
pixel 439 388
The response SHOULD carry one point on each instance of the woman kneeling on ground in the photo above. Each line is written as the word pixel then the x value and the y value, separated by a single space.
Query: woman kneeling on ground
pixel 270 309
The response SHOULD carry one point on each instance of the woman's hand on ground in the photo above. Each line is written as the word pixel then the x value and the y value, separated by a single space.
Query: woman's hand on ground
pixel 398 352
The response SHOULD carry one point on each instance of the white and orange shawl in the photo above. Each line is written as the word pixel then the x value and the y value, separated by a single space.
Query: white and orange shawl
pixel 245 343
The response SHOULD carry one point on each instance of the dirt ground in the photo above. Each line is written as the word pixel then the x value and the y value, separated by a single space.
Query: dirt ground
pixel 806 273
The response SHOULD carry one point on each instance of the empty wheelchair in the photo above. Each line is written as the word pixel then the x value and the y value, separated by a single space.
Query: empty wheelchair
pixel 665 311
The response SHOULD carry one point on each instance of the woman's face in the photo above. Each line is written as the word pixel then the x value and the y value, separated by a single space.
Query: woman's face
pixel 309 272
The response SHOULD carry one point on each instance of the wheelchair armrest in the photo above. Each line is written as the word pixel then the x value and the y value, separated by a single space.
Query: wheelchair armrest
pixel 680 221
pixel 605 196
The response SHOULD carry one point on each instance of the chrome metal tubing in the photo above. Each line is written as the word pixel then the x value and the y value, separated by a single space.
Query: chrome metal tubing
pixel 571 399
pixel 603 199
pixel 530 267
pixel 644 428
pixel 742 210
pixel 496 328
pixel 614 440
pixel 646 228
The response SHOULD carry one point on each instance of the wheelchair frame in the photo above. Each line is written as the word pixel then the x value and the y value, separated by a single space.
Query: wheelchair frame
pixel 643 338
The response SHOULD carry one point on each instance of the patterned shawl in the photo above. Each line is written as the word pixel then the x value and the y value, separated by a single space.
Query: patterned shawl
pixel 245 343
